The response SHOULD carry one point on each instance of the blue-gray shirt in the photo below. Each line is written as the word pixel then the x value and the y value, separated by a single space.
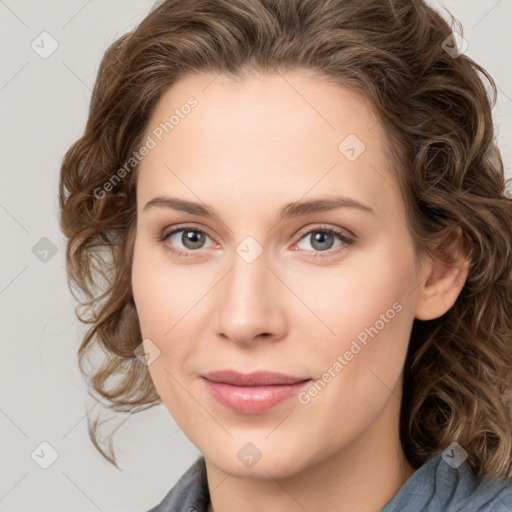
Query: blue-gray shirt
pixel 435 487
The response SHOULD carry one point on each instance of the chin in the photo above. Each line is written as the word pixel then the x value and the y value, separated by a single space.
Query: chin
pixel 259 460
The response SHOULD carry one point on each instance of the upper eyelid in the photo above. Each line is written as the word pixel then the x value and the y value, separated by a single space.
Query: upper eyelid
pixel 325 227
pixel 303 232
pixel 178 228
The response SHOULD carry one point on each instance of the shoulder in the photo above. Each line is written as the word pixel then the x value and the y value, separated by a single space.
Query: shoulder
pixel 443 484
pixel 491 495
pixel 190 492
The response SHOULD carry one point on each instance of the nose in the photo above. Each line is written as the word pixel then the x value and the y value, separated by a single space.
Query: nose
pixel 250 304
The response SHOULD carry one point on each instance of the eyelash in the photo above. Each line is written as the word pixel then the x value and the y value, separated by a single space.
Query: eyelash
pixel 347 241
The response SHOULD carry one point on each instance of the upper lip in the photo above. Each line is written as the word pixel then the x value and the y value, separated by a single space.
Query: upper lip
pixel 258 378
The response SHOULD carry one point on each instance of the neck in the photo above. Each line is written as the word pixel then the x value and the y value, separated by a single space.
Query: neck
pixel 363 475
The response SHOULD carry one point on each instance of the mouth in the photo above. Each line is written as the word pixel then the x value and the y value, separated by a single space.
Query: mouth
pixel 252 393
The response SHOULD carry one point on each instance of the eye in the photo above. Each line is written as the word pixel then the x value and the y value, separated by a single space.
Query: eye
pixel 323 239
pixel 183 240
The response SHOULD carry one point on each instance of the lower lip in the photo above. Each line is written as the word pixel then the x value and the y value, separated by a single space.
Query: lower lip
pixel 252 399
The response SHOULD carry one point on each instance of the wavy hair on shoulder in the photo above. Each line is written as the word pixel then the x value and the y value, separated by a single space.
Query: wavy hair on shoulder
pixel 437 111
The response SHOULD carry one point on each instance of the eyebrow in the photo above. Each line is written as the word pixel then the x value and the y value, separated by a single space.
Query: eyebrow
pixel 294 209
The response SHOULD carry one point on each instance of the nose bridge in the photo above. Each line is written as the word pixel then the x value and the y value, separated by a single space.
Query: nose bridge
pixel 249 304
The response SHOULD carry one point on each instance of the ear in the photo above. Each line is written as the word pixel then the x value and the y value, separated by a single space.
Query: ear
pixel 442 277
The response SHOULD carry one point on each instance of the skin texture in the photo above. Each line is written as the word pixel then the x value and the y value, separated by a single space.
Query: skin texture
pixel 248 148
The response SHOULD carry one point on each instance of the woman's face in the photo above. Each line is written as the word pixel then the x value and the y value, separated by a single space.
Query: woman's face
pixel 272 237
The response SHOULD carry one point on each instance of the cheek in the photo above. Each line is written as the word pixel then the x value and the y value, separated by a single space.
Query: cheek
pixel 168 301
pixel 163 293
pixel 370 311
pixel 160 306
pixel 346 299
pixel 352 299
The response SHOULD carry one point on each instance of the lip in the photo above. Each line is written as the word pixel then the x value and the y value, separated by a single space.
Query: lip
pixel 252 393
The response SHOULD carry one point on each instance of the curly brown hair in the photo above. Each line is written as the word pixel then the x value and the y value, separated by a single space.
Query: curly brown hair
pixel 436 110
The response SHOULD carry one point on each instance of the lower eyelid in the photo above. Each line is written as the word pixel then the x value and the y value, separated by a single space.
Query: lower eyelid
pixel 166 237
pixel 345 240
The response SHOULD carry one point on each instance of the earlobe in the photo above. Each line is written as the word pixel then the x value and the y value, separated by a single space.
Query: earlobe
pixel 442 280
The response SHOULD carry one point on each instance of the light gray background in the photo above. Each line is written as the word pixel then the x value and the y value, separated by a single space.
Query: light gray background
pixel 44 105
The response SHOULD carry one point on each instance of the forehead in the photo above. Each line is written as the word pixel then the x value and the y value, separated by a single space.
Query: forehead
pixel 265 135
pixel 296 101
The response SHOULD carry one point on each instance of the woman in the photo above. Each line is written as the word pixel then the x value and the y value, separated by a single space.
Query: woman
pixel 289 222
